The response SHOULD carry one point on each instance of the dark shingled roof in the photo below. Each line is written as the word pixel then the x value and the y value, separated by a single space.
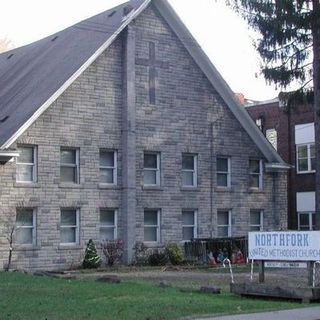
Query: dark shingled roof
pixel 30 75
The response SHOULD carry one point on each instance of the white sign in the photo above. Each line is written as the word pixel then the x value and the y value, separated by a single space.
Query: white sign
pixel 285 245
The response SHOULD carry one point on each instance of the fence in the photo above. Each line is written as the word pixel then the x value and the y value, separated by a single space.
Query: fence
pixel 234 248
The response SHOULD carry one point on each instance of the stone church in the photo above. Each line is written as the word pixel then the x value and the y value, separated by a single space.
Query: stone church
pixel 120 127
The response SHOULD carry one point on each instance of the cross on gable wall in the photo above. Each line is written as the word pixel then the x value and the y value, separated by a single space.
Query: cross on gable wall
pixel 152 63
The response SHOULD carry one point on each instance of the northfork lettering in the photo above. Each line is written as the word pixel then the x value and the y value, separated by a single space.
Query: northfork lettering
pixel 282 240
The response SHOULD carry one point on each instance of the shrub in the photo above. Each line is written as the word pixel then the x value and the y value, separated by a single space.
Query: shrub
pixel 157 258
pixel 174 253
pixel 113 251
pixel 91 258
pixel 140 253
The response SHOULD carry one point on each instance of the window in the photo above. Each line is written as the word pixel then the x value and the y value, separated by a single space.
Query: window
pixel 26 164
pixel 256 220
pixel 224 172
pixel 306 158
pixel 189 170
pixel 69 227
pixel 26 226
pixel 189 225
pixel 306 208
pixel 255 168
pixel 151 171
pixel 306 221
pixel 108 167
pixel 224 223
pixel 69 165
pixel 152 226
pixel 108 224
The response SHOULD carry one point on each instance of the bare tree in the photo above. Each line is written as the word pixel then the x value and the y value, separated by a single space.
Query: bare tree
pixel 5 44
pixel 9 230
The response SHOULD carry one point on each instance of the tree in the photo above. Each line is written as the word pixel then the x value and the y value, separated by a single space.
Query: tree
pixel 91 258
pixel 289 45
pixel 5 44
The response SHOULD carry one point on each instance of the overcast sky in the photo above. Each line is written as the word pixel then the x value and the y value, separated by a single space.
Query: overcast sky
pixel 220 32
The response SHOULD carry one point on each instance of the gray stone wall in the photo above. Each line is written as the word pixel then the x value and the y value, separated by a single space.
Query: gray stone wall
pixel 188 117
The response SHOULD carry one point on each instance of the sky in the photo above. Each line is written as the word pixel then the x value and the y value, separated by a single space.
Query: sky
pixel 223 35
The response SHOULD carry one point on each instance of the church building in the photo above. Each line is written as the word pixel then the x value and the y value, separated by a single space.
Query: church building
pixel 121 127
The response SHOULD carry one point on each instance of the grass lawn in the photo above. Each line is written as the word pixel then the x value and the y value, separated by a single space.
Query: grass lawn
pixel 29 297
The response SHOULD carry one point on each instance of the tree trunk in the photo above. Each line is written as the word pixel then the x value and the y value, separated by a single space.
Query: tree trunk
pixel 316 82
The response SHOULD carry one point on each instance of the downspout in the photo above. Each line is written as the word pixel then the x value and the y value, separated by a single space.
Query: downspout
pixel 211 179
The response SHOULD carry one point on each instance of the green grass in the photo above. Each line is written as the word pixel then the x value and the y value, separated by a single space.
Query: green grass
pixel 29 297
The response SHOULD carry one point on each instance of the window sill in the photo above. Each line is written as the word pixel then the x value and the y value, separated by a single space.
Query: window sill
pixel 306 172
pixel 69 247
pixel 26 185
pixel 108 186
pixel 26 247
pixel 256 190
pixel 70 186
pixel 223 189
pixel 191 188
pixel 152 188
pixel 153 244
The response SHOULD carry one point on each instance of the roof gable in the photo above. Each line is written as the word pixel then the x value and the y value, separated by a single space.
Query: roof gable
pixel 30 80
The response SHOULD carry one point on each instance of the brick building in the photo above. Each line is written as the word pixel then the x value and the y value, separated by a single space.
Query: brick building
pixel 291 132
pixel 120 127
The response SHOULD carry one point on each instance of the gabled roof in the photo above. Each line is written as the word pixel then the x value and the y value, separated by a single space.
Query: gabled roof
pixel 33 76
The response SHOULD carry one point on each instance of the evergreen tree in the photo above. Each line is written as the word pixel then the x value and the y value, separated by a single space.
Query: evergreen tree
pixel 91 259
pixel 289 39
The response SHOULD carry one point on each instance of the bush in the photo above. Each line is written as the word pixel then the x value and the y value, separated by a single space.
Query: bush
pixel 157 258
pixel 140 254
pixel 91 258
pixel 113 251
pixel 174 253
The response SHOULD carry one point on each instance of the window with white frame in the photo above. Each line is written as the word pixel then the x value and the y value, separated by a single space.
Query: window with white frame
pixel 224 223
pixel 26 226
pixel 189 225
pixel 69 226
pixel 27 164
pixel 151 169
pixel 152 225
pixel 256 220
pixel 224 172
pixel 305 147
pixel 306 158
pixel 272 136
pixel 306 208
pixel 255 172
pixel 189 170
pixel 108 167
pixel 306 221
pixel 108 224
pixel 69 165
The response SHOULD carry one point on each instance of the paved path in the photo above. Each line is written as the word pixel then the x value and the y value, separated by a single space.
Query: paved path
pixel 296 314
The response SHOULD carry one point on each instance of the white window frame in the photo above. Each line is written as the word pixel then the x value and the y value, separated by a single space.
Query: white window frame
pixel 260 225
pixel 33 226
pixel 34 164
pixel 260 174
pixel 194 225
pixel 114 168
pixel 308 145
pixel 107 226
pixel 229 225
pixel 68 165
pixel 227 173
pixel 310 216
pixel 76 227
pixel 157 170
pixel 157 226
pixel 194 171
